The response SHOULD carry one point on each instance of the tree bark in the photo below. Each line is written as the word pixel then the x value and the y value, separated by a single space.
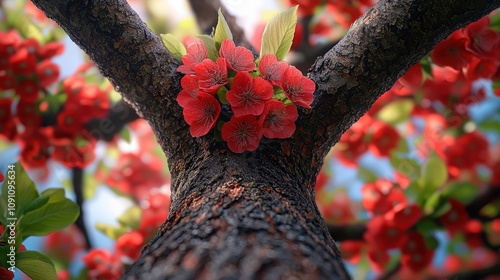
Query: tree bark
pixel 253 215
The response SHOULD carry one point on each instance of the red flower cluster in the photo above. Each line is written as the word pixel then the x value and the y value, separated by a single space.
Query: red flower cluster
pixel 26 70
pixel 260 99
pixel 475 50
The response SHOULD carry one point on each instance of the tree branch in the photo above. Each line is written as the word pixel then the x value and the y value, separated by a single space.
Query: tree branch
pixel 77 180
pixel 106 128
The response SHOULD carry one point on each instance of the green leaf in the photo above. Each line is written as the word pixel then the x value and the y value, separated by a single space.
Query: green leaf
pixel 436 205
pixel 426 226
pixel 51 195
pixel 125 134
pixel 462 191
pixel 495 22
pixel 19 189
pixel 435 173
pixel 367 175
pixel 173 45
pixel 426 65
pixel 406 166
pixel 278 34
pixel 221 94
pixel 222 31
pixel 432 242
pixel 490 126
pixel 36 265
pixel 54 215
pixel 210 45
pixel 112 232
pixel 131 218
pixel 396 112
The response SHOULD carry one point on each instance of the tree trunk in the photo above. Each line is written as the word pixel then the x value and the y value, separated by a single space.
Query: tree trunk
pixel 244 217
pixel 253 215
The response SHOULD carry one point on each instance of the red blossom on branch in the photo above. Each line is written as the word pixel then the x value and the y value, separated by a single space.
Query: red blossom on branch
pixel 297 88
pixel 242 133
pixel 237 58
pixel 201 114
pixel 196 53
pixel 248 95
pixel 278 119
pixel 211 75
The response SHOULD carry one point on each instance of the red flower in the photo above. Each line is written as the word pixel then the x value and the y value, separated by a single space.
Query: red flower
pixel 73 155
pixel 31 45
pixel 27 90
pixel 69 121
pixel 384 139
pixel 7 81
pixel 452 52
pixel 22 62
pixel 412 77
pixel 5 109
pixel 456 218
pixel 351 250
pixel 130 244
pixel 271 69
pixel 278 119
pixel 50 50
pixel 64 244
pixel 242 133
pixel 151 220
pixel 27 114
pixel 34 155
pixel 6 274
pixel 297 88
pixel 196 53
pixel 8 129
pixel 495 179
pixel 248 95
pixel 416 256
pixel 103 265
pixel 94 101
pixel 2 177
pixel 237 58
pixel 47 72
pixel 201 114
pixel 378 258
pixel 189 85
pixel 384 236
pixel 480 68
pixel 72 87
pixel 482 41
pixel 403 216
pixel 211 75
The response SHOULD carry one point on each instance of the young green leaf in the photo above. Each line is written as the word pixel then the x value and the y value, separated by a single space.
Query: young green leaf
pixel 210 45
pixel 434 174
pixel 112 232
pixel 222 30
pixel 36 265
pixel 173 45
pixel 278 34
pixel 131 218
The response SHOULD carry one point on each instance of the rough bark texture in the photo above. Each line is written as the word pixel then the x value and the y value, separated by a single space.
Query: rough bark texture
pixel 253 215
